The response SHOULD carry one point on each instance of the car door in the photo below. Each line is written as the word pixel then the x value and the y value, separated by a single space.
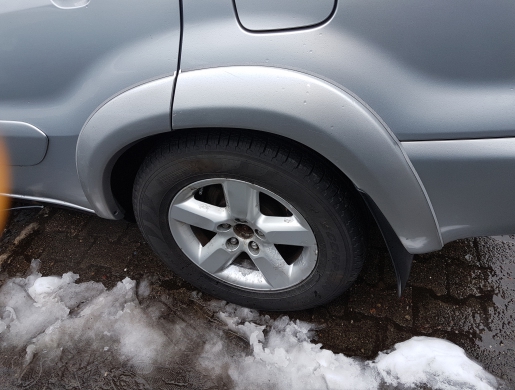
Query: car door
pixel 59 61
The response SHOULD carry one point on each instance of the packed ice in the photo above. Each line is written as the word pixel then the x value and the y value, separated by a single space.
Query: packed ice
pixel 56 317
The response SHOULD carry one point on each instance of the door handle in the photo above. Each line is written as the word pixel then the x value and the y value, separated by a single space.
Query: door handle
pixel 70 4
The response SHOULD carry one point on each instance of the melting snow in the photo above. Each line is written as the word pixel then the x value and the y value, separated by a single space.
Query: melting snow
pixel 46 316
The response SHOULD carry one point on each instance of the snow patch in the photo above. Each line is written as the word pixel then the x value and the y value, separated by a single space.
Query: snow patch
pixel 48 315
pixel 434 362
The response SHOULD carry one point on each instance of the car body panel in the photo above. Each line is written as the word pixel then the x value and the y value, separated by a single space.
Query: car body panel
pixel 266 15
pixel 27 145
pixel 470 184
pixel 409 74
pixel 328 120
pixel 431 70
pixel 139 112
pixel 57 66
pixel 54 179
pixel 404 60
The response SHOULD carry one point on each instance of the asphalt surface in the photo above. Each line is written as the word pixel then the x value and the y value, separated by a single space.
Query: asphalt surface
pixel 464 293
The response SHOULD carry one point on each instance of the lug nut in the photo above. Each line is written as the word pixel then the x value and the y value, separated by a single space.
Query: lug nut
pixel 253 248
pixel 223 227
pixel 259 233
pixel 233 241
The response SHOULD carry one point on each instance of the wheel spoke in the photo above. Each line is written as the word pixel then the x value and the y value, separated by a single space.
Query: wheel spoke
pixel 273 267
pixel 214 257
pixel 286 231
pixel 242 200
pixel 199 214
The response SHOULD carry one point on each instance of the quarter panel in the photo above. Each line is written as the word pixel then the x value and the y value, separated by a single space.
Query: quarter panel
pixel 325 118
pixel 431 70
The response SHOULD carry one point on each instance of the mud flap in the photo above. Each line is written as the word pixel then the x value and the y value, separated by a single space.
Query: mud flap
pixel 401 258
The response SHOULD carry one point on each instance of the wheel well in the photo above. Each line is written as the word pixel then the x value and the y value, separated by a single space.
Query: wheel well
pixel 127 165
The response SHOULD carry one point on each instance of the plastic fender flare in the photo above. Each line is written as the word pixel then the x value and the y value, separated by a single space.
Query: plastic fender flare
pixel 131 115
pixel 327 119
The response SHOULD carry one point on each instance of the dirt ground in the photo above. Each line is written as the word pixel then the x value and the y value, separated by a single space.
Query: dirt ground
pixel 464 293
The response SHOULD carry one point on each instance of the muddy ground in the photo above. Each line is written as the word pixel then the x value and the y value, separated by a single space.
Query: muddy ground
pixel 464 293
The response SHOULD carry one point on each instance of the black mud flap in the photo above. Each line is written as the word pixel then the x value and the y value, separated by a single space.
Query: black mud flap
pixel 401 258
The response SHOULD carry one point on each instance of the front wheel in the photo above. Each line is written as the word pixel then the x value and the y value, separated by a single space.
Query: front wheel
pixel 251 218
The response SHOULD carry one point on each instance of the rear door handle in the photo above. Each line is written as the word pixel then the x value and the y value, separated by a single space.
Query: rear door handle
pixel 70 4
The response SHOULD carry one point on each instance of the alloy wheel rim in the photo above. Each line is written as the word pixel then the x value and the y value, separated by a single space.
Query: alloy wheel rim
pixel 243 234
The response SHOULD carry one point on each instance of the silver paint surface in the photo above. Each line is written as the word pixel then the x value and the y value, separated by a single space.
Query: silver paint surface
pixel 132 115
pixel 57 66
pixel 431 70
pixel 470 184
pixel 405 71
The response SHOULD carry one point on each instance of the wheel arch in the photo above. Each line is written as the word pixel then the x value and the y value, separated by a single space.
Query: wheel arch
pixel 126 119
pixel 327 119
pixel 294 105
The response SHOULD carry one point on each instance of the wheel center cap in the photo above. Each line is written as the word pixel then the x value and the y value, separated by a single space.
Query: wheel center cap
pixel 243 231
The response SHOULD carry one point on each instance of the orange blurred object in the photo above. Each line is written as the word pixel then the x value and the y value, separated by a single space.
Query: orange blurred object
pixel 4 185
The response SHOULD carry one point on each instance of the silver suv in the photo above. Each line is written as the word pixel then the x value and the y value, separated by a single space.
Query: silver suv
pixel 252 139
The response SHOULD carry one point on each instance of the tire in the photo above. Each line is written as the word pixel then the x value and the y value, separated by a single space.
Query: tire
pixel 251 218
